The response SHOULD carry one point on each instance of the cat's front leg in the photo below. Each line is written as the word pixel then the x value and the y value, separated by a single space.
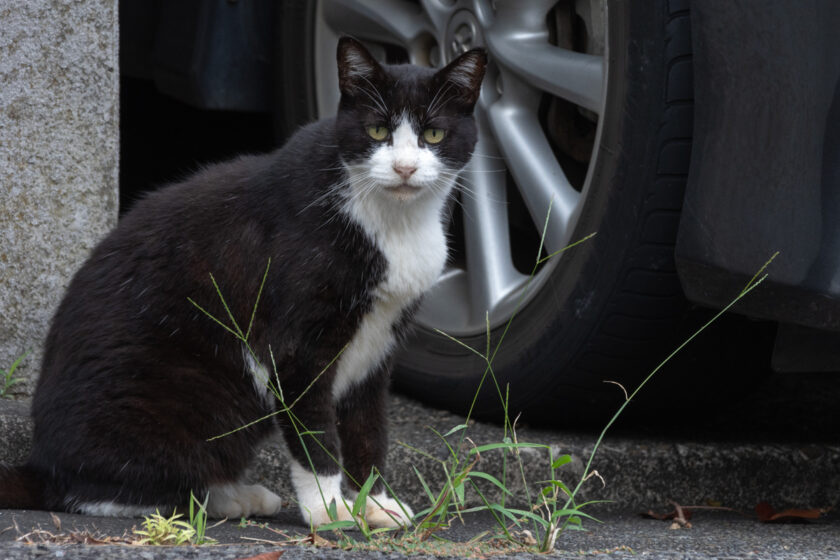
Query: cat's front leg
pixel 362 428
pixel 315 471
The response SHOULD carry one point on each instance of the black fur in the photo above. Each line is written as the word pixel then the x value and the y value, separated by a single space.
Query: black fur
pixel 135 378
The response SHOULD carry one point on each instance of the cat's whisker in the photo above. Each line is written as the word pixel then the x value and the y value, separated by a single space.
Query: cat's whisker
pixel 460 204
pixel 487 156
pixel 331 192
pixel 500 170
pixel 365 191
pixel 336 168
pixel 372 108
pixel 436 100
pixel 337 189
pixel 465 186
pixel 377 100
pixel 464 174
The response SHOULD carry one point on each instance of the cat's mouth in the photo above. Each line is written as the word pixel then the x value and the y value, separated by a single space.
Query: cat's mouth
pixel 404 191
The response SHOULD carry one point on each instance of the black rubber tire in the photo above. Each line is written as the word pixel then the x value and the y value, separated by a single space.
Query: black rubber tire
pixel 612 306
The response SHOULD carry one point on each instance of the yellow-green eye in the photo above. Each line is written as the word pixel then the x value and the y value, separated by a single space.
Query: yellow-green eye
pixel 377 132
pixel 433 135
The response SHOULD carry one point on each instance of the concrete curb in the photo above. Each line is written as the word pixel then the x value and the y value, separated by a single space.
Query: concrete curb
pixel 635 473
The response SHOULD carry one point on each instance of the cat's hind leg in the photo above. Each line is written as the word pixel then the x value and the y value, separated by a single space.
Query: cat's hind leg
pixel 235 500
pixel 111 509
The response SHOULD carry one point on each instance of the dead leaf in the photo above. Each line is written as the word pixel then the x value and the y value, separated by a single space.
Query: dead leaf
pixel 317 540
pixel 56 521
pixel 680 516
pixel 274 555
pixel 766 514
pixel 526 537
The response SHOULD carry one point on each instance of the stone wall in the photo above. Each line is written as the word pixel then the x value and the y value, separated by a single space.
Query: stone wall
pixel 59 156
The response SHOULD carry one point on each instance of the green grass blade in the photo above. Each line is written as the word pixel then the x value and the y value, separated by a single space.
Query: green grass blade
pixel 16 363
pixel 317 377
pixel 336 526
pixel 227 309
pixel 560 461
pixel 567 247
pixel 214 319
pixel 505 445
pixel 572 512
pixel 760 271
pixel 425 486
pixel 248 425
pixel 544 229
pixel 461 344
pixel 457 428
pixel 529 515
pixel 452 451
pixel 394 495
pixel 257 301
pixel 361 500
pixel 750 287
pixel 491 479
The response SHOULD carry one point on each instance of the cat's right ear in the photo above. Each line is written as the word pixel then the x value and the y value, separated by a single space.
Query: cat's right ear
pixel 357 69
pixel 465 73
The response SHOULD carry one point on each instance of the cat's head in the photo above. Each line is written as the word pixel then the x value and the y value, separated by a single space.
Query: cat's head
pixel 404 132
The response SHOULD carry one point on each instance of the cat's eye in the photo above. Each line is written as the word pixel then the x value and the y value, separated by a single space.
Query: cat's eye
pixel 433 135
pixel 377 132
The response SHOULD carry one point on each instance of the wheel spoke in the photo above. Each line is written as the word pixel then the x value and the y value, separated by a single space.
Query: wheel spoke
pixel 513 120
pixel 570 75
pixel 529 14
pixel 401 20
pixel 490 271
pixel 438 13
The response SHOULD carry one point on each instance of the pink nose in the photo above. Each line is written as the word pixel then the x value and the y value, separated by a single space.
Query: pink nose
pixel 404 171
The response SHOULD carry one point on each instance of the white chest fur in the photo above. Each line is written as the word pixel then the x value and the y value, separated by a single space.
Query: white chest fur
pixel 409 234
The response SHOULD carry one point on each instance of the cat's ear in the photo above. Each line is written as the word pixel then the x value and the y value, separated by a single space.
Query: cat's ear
pixel 464 74
pixel 357 68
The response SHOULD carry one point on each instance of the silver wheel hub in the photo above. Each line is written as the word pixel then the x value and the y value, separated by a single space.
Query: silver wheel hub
pixel 463 33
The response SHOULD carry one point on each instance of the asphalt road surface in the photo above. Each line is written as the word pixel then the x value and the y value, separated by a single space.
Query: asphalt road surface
pixel 713 534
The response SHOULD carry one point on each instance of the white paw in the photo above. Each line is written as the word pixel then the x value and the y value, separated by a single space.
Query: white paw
pixel 242 500
pixel 315 494
pixel 317 514
pixel 383 511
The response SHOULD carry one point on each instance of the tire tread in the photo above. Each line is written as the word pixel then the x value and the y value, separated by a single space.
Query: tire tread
pixel 648 298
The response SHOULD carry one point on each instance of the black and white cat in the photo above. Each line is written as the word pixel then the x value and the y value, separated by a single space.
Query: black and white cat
pixel 136 379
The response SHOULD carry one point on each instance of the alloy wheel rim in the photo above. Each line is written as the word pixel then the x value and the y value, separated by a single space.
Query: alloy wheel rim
pixel 525 68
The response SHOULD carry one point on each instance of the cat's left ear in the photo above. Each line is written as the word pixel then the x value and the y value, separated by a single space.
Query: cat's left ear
pixel 465 74
pixel 357 68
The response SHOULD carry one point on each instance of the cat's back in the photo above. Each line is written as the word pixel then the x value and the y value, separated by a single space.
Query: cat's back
pixel 283 182
pixel 227 220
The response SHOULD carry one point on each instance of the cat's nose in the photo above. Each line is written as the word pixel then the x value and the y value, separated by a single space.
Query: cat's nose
pixel 404 170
